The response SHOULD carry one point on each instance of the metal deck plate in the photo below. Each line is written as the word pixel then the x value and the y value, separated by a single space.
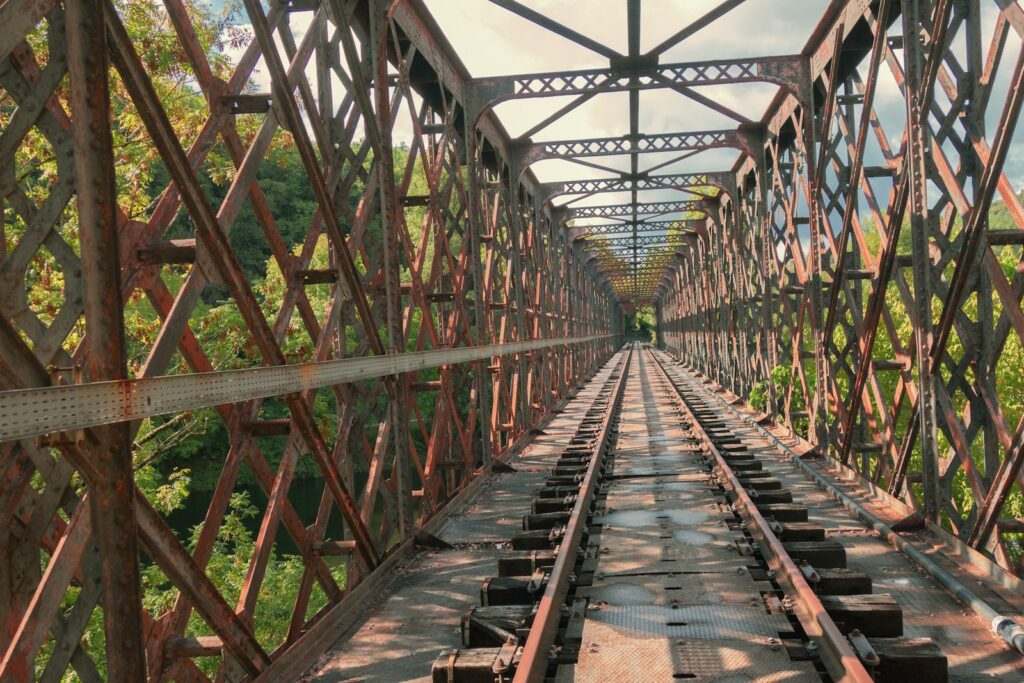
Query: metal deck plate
pixel 634 510
pixel 658 486
pixel 696 622
pixel 649 467
pixel 700 497
pixel 706 642
pixel 623 556
pixel 496 511
pixel 664 589
pixel 664 659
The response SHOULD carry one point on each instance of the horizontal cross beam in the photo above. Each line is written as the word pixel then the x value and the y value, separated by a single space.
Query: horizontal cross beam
pixel 34 412
pixel 625 183
pixel 645 240
pixel 641 208
pixel 641 226
pixel 637 74
pixel 639 144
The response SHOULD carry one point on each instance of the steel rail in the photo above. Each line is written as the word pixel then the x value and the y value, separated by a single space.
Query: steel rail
pixel 27 413
pixel 533 664
pixel 836 652
pixel 1002 625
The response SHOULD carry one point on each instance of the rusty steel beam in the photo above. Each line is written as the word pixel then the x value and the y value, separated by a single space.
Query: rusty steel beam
pixel 634 210
pixel 425 276
pixel 635 72
pixel 111 488
pixel 34 412
pixel 911 402
pixel 638 144
pixel 696 184
pixel 779 276
pixel 640 227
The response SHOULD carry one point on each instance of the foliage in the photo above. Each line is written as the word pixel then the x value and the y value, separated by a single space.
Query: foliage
pixel 1006 375
pixel 641 325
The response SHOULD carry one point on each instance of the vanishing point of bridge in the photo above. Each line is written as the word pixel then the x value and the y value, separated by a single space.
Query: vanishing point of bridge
pixel 444 450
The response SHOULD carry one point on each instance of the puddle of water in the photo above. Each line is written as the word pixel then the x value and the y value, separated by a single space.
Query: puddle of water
pixel 898 582
pixel 636 470
pixel 685 517
pixel 628 594
pixel 690 537
pixel 634 519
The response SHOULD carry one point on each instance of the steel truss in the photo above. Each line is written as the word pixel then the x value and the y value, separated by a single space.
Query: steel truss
pixel 894 354
pixel 493 268
pixel 890 349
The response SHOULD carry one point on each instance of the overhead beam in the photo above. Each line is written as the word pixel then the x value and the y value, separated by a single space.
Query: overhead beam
pixel 634 74
pixel 626 182
pixel 641 209
pixel 745 139
pixel 640 227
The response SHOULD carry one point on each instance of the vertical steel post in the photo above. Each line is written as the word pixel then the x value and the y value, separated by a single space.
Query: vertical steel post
pixel 920 226
pixel 474 189
pixel 391 217
pixel 112 488
pixel 817 431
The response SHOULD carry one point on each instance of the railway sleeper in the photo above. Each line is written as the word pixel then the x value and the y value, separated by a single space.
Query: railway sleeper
pixel 875 615
pixel 513 590
pixel 819 554
pixel 765 496
pixel 495 625
pixel 840 581
pixel 478 665
pixel 545 520
pixel 537 539
pixel 525 564
pixel 746 465
pixel 760 482
pixel 557 491
pixel 547 505
pixel 907 659
pixel 799 531
pixel 784 512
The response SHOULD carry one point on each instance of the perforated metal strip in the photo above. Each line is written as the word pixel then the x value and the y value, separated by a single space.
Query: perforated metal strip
pixel 33 412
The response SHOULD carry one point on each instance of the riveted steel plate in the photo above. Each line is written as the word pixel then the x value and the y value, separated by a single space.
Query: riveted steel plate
pixel 635 511
pixel 650 469
pixel 682 474
pixel 690 622
pixel 697 498
pixel 666 589
pixel 496 511
pixel 640 556
pixel 695 485
pixel 665 659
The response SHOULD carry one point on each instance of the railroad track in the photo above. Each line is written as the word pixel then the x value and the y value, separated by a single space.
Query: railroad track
pixel 666 546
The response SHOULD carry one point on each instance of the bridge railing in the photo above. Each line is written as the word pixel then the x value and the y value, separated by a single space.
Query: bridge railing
pixel 864 282
pixel 330 353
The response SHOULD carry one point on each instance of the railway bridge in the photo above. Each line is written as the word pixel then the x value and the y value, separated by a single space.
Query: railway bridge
pixel 489 340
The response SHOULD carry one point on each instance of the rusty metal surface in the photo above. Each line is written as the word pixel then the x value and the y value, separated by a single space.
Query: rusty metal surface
pixel 496 511
pixel 973 651
pixel 672 597
pixel 417 615
pixel 892 360
pixel 790 262
pixel 375 281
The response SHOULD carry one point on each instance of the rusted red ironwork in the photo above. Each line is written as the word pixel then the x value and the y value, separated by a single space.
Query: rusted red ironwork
pixel 892 347
pixel 521 282
pixel 791 259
